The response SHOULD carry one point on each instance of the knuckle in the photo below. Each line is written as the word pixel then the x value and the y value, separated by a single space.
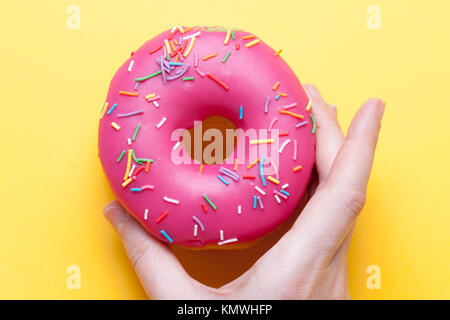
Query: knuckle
pixel 354 201
pixel 136 253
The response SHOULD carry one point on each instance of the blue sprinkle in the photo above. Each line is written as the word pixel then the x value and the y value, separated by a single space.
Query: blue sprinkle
pixel 175 64
pixel 284 192
pixel 241 112
pixel 166 235
pixel 136 190
pixel 277 97
pixel 223 180
pixel 261 163
pixel 112 108
pixel 255 199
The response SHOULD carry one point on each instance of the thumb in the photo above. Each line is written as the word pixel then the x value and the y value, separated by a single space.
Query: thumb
pixel 159 271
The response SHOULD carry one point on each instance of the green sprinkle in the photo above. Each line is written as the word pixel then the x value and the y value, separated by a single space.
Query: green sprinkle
pixel 314 124
pixel 233 36
pixel 226 57
pixel 121 156
pixel 145 160
pixel 209 202
pixel 188 78
pixel 134 157
pixel 149 76
pixel 136 132
pixel 168 57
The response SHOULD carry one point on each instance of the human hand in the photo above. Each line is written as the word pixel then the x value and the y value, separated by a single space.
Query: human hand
pixel 310 260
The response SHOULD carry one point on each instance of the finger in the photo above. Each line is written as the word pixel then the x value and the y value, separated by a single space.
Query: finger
pixel 334 110
pixel 161 274
pixel 329 135
pixel 331 212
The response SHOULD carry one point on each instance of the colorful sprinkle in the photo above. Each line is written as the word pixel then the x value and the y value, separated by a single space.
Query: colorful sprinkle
pixel 296 168
pixel 149 76
pixel 199 223
pixel 121 156
pixel 280 194
pixel 235 164
pixel 261 163
pixel 294 156
pixel 129 114
pixel 225 58
pixel 272 124
pixel 229 173
pixel 239 209
pixel 284 145
pixel 301 124
pixel 277 97
pixel 255 199
pixel 248 37
pixel 127 182
pixel 136 132
pixel 147 166
pixel 278 52
pixel 233 36
pixel 252 43
pixel 252 164
pixel 227 37
pixel 130 66
pixel 115 126
pixel 199 72
pixel 275 87
pixel 102 113
pixel 308 107
pixel 112 108
pixel 189 48
pixel 261 141
pixel 284 192
pixel 314 124
pixel 170 200
pixel 147 187
pixel 188 78
pixel 216 80
pixel 266 106
pixel 260 190
pixel 227 241
pixel 209 56
pixel 204 207
pixel 146 214
pixel 166 236
pixel 221 235
pixel 195 230
pixel 249 177
pixel 223 180
pixel 260 203
pixel 209 202
pixel 284 186
pixel 241 112
pixel 127 171
pixel 161 122
pixel 201 168
pixel 272 179
pixel 136 190
pixel 156 49
pixel 277 198
pixel 292 114
pixel 131 94
pixel 290 106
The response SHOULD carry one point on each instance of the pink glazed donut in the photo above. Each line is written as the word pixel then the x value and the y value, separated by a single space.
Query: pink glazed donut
pixel 186 75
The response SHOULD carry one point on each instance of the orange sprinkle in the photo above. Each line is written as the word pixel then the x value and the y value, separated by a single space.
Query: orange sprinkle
pixel 296 168
pixel 295 115
pixel 209 56
pixel 201 168
pixel 278 52
pixel 105 106
pixel 220 83
pixel 166 42
pixel 187 29
pixel 282 94
pixel 176 59
pixel 275 87
pixel 172 34
pixel 252 43
pixel 252 164
pixel 147 166
pixel 227 37
pixel 248 177
pixel 126 93
pixel 158 220
pixel 204 207
pixel 156 49
pixel 172 45
pixel 248 37
pixel 282 134
pixel 308 107
pixel 235 165
pixel 237 46
pixel 272 179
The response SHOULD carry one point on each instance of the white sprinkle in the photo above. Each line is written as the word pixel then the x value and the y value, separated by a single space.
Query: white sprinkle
pixel 146 214
pixel 131 65
pixel 176 145
pixel 129 141
pixel 195 229
pixel 284 186
pixel 156 104
pixel 161 122
pixel 221 235
pixel 227 241
pixel 192 35
pixel 132 170
pixel 294 156
pixel 173 29
pixel 284 145
pixel 278 199
pixel 289 106
pixel 239 209
pixel 259 190
pixel 166 198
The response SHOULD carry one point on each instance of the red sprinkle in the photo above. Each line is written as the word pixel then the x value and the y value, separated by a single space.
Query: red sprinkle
pixel 172 34
pixel 156 49
pixel 237 45
pixel 138 170
pixel 220 83
pixel 282 134
pixel 248 177
pixel 158 220
pixel 204 207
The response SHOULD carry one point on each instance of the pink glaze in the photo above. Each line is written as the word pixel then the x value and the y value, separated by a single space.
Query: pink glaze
pixel 250 74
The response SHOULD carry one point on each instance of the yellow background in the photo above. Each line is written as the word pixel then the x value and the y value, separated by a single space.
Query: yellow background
pixel 54 80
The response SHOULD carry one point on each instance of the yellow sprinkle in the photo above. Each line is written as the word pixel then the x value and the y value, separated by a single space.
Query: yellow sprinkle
pixel 227 37
pixel 278 52
pixel 275 87
pixel 181 29
pixel 127 171
pixel 235 165
pixel 282 94
pixel 201 168
pixel 295 115
pixel 252 164
pixel 261 141
pixel 105 106
pixel 189 48
pixel 149 96
pixel 252 43
pixel 166 42
pixel 295 169
pixel 272 179
pixel 247 37
pixel 115 126
pixel 127 182
pixel 308 107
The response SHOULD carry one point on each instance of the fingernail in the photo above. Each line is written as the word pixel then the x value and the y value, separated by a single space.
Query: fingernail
pixel 114 213
pixel 313 90
pixel 332 106
pixel 380 109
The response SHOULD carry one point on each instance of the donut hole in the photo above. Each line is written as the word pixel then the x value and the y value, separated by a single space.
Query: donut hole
pixel 216 146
